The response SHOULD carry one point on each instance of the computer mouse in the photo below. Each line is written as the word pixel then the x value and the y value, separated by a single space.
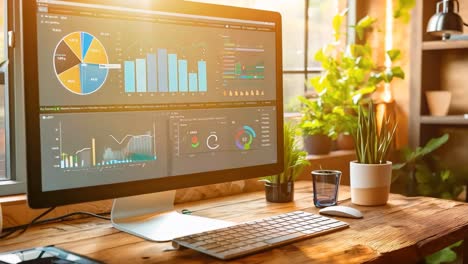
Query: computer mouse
pixel 342 211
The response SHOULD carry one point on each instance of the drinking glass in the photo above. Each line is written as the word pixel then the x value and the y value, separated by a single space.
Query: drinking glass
pixel 326 184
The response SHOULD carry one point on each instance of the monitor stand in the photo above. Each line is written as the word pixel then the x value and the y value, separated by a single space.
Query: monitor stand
pixel 152 217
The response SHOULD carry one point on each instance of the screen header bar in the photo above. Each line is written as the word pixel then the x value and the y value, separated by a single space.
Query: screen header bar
pixel 150 12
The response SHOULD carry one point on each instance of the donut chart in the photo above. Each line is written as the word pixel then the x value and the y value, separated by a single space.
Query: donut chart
pixel 244 137
pixel 78 60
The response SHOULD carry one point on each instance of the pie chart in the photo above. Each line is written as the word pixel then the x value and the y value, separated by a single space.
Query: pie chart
pixel 79 62
pixel 244 137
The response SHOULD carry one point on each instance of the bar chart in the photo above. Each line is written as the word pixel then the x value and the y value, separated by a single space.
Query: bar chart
pixel 164 72
pixel 129 149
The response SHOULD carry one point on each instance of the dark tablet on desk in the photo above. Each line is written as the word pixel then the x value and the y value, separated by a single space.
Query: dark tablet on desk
pixel 44 255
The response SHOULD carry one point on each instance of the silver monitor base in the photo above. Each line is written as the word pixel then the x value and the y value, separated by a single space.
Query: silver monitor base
pixel 152 217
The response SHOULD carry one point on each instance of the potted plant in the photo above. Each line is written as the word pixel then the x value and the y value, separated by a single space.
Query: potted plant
pixel 317 126
pixel 280 188
pixel 420 173
pixel 371 173
pixel 349 75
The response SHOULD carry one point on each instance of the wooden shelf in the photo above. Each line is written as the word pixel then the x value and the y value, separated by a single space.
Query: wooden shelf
pixel 445 120
pixel 445 45
pixel 333 154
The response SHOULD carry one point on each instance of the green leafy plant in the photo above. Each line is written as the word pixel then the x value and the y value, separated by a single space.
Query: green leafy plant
pixel 422 174
pixel 349 75
pixel 446 255
pixel 316 119
pixel 403 10
pixel 295 160
pixel 372 145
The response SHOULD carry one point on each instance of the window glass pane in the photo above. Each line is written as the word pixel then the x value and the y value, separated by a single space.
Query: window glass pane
pixel 293 86
pixel 2 89
pixel 321 13
pixel 310 90
pixel 292 12
pixel 2 29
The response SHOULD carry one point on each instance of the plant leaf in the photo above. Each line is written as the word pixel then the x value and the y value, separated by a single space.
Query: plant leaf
pixel 366 22
pixel 337 21
pixel 398 166
pixel 393 54
pixel 398 72
pixel 433 144
pixel 445 255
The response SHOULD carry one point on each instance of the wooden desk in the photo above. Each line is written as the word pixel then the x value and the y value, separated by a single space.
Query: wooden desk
pixel 403 231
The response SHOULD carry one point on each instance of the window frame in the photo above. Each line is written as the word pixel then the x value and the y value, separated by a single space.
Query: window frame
pixel 15 146
pixel 350 38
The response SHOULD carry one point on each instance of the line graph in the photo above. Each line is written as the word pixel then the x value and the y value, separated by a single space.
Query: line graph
pixel 111 150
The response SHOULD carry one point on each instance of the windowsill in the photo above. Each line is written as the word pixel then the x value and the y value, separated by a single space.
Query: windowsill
pixel 12 199
pixel 331 155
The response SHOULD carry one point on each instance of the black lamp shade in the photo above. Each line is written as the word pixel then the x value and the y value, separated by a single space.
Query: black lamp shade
pixel 445 22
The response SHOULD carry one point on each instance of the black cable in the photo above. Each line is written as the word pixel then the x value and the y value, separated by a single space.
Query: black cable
pixel 35 221
pixel 23 228
pixel 465 24
pixel 59 218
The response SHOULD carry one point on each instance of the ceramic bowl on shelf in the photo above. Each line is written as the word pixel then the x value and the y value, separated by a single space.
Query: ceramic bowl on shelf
pixel 438 102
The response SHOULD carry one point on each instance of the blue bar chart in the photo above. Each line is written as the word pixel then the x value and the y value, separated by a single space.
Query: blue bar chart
pixel 193 84
pixel 129 75
pixel 151 69
pixel 183 76
pixel 172 61
pixel 141 75
pixel 202 81
pixel 164 72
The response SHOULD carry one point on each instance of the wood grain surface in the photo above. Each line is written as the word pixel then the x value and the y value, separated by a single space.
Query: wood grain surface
pixel 403 231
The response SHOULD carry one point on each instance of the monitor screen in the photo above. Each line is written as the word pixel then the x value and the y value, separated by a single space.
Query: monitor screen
pixel 127 100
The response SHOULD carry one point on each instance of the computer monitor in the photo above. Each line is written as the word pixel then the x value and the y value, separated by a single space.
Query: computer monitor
pixel 133 99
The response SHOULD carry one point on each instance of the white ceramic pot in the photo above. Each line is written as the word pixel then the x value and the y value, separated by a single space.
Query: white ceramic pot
pixel 370 183
pixel 438 102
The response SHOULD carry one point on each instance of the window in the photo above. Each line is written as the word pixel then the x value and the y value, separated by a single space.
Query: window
pixel 3 56
pixel 12 146
pixel 306 28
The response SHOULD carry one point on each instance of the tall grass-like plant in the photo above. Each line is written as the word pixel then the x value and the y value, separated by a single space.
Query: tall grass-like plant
pixel 372 145
pixel 295 160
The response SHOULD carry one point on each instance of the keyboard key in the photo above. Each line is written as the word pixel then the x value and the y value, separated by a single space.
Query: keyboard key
pixel 219 249
pixel 283 238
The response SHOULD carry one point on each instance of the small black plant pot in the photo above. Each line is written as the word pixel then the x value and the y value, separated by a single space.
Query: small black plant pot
pixel 279 193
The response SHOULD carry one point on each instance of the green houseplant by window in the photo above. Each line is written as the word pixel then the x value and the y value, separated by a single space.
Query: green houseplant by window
pixel 371 173
pixel 280 187
pixel 317 126
pixel 349 75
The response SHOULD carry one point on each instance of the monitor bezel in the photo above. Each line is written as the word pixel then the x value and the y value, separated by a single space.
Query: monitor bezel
pixel 37 198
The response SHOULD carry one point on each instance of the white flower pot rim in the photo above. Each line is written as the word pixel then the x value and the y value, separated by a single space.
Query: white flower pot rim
pixel 356 163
